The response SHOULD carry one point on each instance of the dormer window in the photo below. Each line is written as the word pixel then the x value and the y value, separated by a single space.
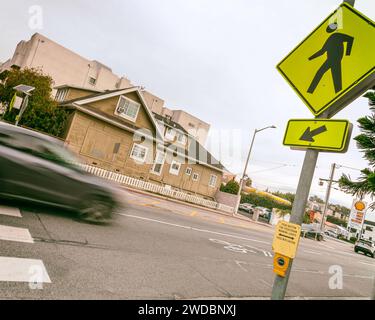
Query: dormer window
pixel 127 109
pixel 181 138
pixel 170 134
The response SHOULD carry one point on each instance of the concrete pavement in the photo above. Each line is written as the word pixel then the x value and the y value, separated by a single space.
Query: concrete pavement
pixel 156 249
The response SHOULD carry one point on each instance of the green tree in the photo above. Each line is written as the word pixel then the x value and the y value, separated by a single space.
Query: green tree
pixel 287 196
pixel 337 221
pixel 42 113
pixel 266 202
pixel 231 187
pixel 316 199
pixel 365 185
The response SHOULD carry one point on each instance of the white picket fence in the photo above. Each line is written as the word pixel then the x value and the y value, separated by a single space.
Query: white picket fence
pixel 154 188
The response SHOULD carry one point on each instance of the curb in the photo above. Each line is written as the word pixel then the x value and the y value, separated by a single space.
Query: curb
pixel 235 216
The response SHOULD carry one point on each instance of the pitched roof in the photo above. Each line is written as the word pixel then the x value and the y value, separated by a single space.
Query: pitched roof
pixel 95 95
pixel 201 153
pixel 66 86
pixel 196 151
pixel 169 122
pixel 113 93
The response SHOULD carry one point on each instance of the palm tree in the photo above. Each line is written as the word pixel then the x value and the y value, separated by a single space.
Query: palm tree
pixel 365 185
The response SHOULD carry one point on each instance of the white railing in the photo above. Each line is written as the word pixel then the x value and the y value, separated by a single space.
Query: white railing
pixel 154 188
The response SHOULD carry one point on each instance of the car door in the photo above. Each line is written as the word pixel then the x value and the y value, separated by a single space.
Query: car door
pixel 59 180
pixel 31 171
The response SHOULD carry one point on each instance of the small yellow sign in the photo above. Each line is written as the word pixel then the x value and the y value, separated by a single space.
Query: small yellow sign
pixel 280 264
pixel 335 64
pixel 286 239
pixel 321 134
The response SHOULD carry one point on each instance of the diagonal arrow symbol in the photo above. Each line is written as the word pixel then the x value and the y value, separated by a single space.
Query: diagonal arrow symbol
pixel 309 134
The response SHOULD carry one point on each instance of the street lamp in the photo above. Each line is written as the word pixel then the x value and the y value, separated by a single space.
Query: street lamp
pixel 27 91
pixel 246 165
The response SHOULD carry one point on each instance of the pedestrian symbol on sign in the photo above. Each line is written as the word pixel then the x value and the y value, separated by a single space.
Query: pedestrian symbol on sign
pixel 334 47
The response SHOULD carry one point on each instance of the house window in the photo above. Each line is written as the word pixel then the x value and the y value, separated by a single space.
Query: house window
pixel 189 171
pixel 61 95
pixel 213 181
pixel 92 81
pixel 181 138
pixel 195 177
pixel 139 153
pixel 175 168
pixel 127 109
pixel 170 134
pixel 159 163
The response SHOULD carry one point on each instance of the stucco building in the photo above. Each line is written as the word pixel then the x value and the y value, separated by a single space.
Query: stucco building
pixel 69 68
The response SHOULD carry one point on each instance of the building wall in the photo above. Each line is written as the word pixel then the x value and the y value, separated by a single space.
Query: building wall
pixel 196 127
pixel 63 65
pixel 154 103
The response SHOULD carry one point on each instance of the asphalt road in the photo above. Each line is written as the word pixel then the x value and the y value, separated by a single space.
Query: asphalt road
pixel 156 249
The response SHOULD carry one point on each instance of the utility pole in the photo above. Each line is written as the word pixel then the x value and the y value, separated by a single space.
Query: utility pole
pixel 247 164
pixel 328 194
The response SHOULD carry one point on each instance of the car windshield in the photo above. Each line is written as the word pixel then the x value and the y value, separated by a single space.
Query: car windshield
pixel 62 155
pixel 368 243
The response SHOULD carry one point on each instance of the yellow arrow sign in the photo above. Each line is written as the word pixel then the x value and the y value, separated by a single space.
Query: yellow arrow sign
pixel 335 64
pixel 320 134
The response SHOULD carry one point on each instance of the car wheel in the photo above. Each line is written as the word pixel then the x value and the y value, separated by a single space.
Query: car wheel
pixel 96 210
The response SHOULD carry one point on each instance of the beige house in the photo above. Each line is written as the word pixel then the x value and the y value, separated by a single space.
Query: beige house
pixel 116 130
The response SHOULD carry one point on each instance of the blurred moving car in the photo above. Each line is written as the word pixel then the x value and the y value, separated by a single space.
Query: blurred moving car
pixel 247 207
pixel 38 169
pixel 367 247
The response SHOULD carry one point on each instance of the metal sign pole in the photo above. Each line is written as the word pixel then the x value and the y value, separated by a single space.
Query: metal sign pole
pixel 298 211
pixel 23 108
pixel 299 205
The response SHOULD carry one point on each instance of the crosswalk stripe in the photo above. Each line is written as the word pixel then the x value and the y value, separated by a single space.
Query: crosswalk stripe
pixel 15 234
pixel 23 270
pixel 8 211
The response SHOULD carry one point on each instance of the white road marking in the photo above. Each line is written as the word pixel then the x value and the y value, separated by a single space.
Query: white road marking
pixel 368 264
pixel 23 270
pixel 15 234
pixel 312 252
pixel 329 247
pixel 8 211
pixel 192 228
pixel 266 283
pixel 268 254
pixel 240 263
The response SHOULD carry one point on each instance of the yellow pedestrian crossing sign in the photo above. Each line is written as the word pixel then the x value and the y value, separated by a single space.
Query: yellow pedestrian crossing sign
pixel 320 134
pixel 335 64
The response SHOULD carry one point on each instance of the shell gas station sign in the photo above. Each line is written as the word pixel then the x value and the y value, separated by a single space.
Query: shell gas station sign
pixel 357 215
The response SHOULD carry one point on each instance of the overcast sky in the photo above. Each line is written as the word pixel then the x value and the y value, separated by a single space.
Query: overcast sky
pixel 213 58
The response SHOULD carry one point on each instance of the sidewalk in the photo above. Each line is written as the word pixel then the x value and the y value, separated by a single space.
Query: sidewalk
pixel 191 205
